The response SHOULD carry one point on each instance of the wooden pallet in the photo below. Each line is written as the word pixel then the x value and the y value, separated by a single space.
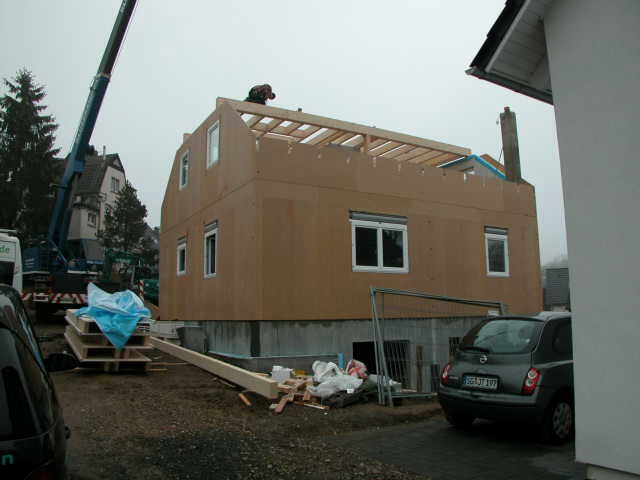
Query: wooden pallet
pixel 137 340
pixel 88 325
pixel 89 348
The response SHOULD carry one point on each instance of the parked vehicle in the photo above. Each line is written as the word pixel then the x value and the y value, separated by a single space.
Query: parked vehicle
pixel 32 431
pixel 10 259
pixel 513 369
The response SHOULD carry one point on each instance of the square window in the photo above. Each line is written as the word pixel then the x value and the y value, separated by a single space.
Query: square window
pixel 497 252
pixel 210 250
pixel 92 219
pixel 213 144
pixel 379 243
pixel 184 170
pixel 181 259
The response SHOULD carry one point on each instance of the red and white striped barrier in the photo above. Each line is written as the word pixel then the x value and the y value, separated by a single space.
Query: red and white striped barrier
pixel 66 298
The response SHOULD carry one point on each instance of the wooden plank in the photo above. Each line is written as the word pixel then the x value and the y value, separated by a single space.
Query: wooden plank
pixel 379 151
pixel 244 399
pixel 399 151
pixel 137 340
pixel 255 383
pixel 271 125
pixel 327 135
pixel 333 124
pixel 253 120
pixel 131 355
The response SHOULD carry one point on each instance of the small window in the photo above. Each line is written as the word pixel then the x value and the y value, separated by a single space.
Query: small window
pixel 210 249
pixel 379 243
pixel 497 251
pixel 182 257
pixel 184 170
pixel 115 184
pixel 213 144
pixel 92 219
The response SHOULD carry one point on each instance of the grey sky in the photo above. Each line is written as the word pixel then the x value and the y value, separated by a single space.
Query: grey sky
pixel 396 65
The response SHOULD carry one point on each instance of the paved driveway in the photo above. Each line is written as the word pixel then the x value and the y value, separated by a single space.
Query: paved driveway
pixel 486 451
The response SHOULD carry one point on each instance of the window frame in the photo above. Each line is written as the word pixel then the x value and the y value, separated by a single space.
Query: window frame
pixel 504 237
pixel 209 232
pixel 210 163
pixel 93 223
pixel 182 246
pixel 115 185
pixel 379 227
pixel 183 180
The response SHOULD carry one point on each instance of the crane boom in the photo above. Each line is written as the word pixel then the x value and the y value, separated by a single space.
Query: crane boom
pixel 59 223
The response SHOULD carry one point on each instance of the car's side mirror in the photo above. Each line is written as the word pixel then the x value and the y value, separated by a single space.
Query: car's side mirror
pixel 58 362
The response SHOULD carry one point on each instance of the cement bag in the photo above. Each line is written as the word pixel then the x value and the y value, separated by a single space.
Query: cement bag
pixel 357 369
pixel 324 370
pixel 335 384
pixel 116 314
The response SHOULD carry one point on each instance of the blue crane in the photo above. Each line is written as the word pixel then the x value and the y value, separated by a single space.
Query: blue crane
pixel 59 223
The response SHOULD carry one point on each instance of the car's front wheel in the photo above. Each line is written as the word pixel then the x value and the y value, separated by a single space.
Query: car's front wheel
pixel 558 423
pixel 459 420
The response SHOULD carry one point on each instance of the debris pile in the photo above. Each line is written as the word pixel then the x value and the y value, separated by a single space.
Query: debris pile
pixel 328 387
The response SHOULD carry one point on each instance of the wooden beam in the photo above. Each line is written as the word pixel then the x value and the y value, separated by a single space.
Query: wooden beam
pixel 251 381
pixel 412 154
pixel 253 120
pixel 319 138
pixel 380 151
pixel 330 123
pixel 326 140
pixel 444 158
pixel 270 126
pixel 399 151
pixel 355 141
pixel 302 134
pixel 427 156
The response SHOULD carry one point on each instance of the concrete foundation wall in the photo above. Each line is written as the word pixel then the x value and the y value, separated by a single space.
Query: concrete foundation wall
pixel 296 344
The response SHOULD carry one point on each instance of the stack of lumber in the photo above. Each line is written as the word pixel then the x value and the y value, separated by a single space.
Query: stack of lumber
pixel 295 391
pixel 95 351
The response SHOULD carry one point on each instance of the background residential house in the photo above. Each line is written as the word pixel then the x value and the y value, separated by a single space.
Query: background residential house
pixel 95 193
pixel 275 224
pixel 483 165
pixel 583 56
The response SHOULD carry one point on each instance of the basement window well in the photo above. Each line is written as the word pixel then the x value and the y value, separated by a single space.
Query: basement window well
pixel 213 144
pixel 379 243
pixel 181 257
pixel 497 250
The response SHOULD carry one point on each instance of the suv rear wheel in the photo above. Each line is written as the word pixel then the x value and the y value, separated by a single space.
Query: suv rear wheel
pixel 558 423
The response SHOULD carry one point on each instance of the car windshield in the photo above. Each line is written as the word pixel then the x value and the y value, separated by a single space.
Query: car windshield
pixel 503 336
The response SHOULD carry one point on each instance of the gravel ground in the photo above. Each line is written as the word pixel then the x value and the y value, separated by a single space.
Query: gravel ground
pixel 183 423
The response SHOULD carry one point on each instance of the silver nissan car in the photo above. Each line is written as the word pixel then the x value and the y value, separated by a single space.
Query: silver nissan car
pixel 513 369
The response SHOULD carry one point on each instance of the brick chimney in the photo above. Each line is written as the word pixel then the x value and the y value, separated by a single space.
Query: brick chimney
pixel 510 145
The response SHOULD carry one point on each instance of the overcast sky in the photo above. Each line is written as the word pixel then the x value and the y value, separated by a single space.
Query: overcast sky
pixel 396 65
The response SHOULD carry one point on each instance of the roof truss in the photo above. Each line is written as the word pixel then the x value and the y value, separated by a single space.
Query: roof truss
pixel 290 126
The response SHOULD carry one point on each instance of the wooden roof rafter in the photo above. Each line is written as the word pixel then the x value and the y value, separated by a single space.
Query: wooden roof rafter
pixel 296 126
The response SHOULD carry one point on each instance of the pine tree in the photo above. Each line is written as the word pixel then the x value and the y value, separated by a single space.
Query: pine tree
pixel 27 163
pixel 124 225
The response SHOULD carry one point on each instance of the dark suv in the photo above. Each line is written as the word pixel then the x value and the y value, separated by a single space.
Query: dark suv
pixel 513 369
pixel 32 431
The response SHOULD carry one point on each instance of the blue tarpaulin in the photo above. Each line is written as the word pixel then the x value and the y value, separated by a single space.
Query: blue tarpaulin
pixel 117 314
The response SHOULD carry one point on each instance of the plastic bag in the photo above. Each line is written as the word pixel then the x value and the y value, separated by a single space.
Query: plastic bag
pixel 324 370
pixel 117 314
pixel 335 384
pixel 357 369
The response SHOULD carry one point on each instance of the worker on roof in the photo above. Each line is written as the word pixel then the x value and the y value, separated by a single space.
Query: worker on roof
pixel 260 94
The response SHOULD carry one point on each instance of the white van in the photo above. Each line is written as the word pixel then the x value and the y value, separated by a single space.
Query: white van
pixel 10 259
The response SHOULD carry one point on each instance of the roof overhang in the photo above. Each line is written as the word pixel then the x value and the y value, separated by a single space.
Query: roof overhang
pixel 298 127
pixel 514 55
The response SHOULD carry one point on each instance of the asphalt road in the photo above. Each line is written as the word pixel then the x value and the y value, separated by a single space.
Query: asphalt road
pixel 486 451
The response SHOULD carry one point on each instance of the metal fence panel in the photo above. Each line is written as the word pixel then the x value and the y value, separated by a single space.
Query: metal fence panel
pixel 415 334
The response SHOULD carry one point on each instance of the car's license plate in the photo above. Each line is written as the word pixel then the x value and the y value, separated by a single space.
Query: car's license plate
pixel 485 383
